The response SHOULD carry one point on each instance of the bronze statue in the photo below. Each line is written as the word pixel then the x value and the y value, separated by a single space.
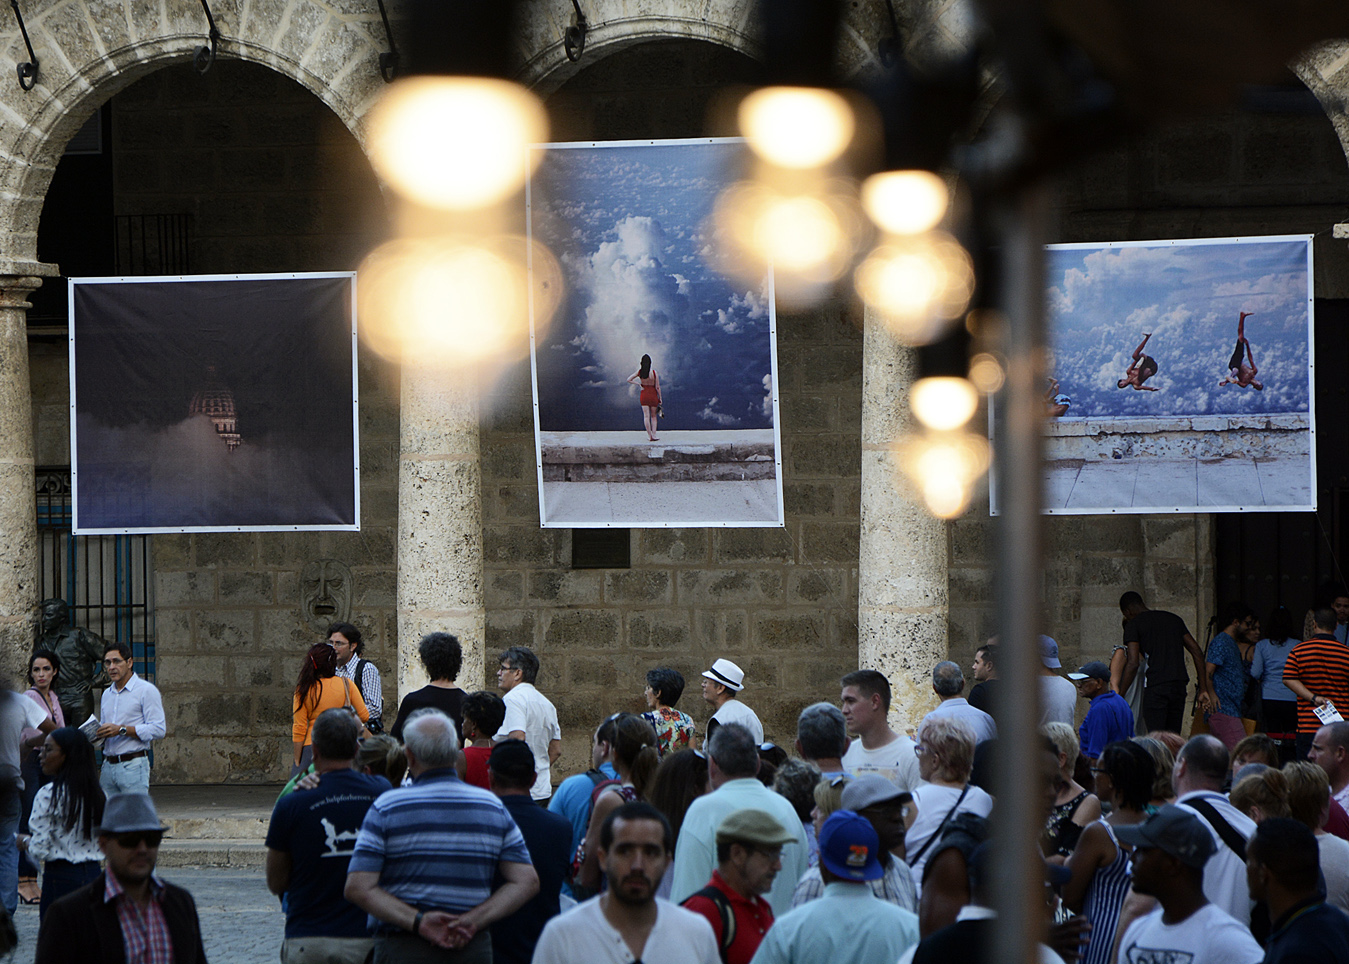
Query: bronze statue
pixel 81 654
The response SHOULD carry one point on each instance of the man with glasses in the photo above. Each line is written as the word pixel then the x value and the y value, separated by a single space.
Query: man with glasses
pixel 132 715
pixel 530 716
pixel 749 857
pixel 1108 715
pixel 127 913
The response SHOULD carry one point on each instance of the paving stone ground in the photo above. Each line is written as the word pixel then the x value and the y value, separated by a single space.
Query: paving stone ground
pixel 241 922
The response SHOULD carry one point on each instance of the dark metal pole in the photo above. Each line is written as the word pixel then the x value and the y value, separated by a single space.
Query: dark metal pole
pixel 1019 814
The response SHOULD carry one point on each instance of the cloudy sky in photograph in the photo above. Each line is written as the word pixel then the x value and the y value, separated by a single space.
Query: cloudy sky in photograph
pixel 1102 300
pixel 627 224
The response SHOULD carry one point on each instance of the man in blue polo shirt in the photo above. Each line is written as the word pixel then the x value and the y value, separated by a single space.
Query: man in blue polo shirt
pixel 310 841
pixel 1108 717
pixel 427 857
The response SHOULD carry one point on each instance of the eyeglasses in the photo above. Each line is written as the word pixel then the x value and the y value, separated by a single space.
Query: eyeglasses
pixel 921 750
pixel 132 840
pixel 1099 770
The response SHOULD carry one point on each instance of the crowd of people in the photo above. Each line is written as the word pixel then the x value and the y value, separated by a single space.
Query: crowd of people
pixel 447 839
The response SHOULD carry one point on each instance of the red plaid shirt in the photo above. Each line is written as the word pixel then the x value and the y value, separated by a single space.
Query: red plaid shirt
pixel 145 934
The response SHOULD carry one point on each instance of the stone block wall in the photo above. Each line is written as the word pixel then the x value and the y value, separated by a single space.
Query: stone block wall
pixel 1090 561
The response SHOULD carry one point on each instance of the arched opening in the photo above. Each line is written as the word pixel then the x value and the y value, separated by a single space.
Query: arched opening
pixel 242 170
pixel 658 89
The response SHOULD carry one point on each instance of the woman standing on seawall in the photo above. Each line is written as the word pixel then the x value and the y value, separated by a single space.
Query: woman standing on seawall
pixel 650 397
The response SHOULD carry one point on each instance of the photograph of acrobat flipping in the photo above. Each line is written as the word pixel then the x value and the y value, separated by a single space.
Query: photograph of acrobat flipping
pixel 1150 405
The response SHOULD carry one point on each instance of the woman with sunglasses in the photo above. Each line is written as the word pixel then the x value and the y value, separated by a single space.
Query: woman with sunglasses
pixel 65 812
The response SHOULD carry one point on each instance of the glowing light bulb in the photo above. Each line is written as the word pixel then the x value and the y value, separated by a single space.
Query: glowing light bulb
pixel 455 143
pixel 796 127
pixel 454 301
pixel 807 239
pixel 905 202
pixel 944 403
pixel 986 373
pixel 917 284
pixel 944 466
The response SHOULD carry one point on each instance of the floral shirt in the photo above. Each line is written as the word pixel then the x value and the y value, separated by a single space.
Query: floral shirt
pixel 674 729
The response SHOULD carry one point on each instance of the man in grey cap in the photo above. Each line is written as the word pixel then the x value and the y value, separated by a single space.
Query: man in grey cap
pixel 1170 850
pixel 891 812
pixel 127 913
pixel 1108 716
pixel 749 856
pixel 722 685
pixel 1058 697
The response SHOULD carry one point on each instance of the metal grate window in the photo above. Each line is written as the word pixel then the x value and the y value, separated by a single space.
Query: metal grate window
pixel 601 548
pixel 106 580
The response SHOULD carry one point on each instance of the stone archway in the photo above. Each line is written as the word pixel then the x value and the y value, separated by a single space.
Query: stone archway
pixel 88 51
pixel 1325 71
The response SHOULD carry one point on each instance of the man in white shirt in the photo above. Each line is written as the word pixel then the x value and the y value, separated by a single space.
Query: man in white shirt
pixel 948 681
pixel 733 784
pixel 1171 849
pixel 878 749
pixel 722 685
pixel 1330 751
pixel 1201 768
pixel 530 716
pixel 346 640
pixel 628 922
pixel 131 716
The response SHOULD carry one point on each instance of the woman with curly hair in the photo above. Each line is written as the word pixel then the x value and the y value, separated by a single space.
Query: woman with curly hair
pixel 441 655
pixel 317 689
pixel 1100 868
pixel 65 813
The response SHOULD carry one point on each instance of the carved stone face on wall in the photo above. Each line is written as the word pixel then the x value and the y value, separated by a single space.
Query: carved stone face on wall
pixel 325 594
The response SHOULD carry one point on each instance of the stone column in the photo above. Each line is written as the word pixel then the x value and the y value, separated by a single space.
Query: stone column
pixel 18 500
pixel 440 575
pixel 902 564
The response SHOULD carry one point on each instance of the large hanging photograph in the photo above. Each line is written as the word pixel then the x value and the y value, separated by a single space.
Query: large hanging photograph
pixel 214 403
pixel 654 386
pixel 1180 376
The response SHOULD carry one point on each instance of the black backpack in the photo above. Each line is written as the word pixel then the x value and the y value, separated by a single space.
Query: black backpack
pixel 723 907
pixel 375 724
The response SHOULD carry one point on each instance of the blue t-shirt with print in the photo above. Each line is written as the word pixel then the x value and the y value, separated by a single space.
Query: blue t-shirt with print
pixel 318 828
pixel 1229 679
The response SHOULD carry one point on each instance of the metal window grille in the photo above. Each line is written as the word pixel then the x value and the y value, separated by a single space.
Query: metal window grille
pixel 151 244
pixel 107 581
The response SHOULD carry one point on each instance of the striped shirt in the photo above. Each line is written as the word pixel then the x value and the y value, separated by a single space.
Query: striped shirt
pixel 369 684
pixel 1104 900
pixel 145 933
pixel 437 843
pixel 1322 665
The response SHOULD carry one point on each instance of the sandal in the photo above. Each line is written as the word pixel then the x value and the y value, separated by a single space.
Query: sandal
pixel 29 892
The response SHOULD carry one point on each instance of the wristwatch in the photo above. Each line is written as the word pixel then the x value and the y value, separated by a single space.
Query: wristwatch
pixel 121 731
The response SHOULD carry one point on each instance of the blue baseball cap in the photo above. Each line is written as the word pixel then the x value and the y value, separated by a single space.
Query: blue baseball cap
pixel 849 847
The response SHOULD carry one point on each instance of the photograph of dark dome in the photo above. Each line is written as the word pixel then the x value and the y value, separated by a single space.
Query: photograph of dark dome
pixel 214 403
